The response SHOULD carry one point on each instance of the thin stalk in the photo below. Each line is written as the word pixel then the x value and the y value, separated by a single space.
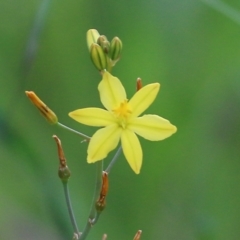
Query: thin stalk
pixel 93 211
pixel 98 186
pixel 70 210
pixel 96 218
pixel 108 169
pixel 74 131
pixel 35 34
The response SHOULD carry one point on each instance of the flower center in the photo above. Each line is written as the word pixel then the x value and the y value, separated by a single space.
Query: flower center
pixel 122 113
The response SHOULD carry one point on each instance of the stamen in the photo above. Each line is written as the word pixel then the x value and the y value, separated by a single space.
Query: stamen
pixel 122 113
pixel 123 110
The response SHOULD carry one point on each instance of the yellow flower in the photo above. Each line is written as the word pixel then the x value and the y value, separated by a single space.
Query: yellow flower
pixel 121 121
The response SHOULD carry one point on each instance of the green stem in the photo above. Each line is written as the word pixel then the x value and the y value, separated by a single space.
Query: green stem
pixel 108 169
pixel 74 131
pixel 93 211
pixel 35 34
pixel 70 210
pixel 94 221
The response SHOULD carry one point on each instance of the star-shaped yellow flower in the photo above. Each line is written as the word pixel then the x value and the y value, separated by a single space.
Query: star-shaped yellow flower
pixel 121 121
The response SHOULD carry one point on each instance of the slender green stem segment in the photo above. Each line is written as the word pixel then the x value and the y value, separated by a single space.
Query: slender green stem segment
pixel 94 221
pixel 74 131
pixel 35 34
pixel 64 174
pixel 108 169
pixel 98 187
pixel 93 212
pixel 70 209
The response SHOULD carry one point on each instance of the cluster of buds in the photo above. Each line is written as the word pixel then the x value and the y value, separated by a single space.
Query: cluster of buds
pixel 104 54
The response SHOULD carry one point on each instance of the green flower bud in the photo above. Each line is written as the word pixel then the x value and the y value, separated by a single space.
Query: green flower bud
pixel 92 37
pixel 115 48
pixel 101 39
pixel 64 173
pixel 104 43
pixel 98 57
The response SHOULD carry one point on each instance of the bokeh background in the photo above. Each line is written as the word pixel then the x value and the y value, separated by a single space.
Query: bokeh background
pixel 189 184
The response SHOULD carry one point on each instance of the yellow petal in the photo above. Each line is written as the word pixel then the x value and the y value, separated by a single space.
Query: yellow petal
pixel 143 98
pixel 93 117
pixel 132 150
pixel 102 142
pixel 152 127
pixel 112 92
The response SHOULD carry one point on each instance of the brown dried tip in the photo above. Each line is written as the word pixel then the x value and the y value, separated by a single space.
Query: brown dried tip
pixel 104 237
pixel 62 159
pixel 42 107
pixel 63 171
pixel 138 235
pixel 101 202
pixel 139 83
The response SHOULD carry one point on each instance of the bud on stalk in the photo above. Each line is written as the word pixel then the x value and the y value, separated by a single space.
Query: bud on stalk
pixel 98 57
pixel 42 107
pixel 92 37
pixel 115 48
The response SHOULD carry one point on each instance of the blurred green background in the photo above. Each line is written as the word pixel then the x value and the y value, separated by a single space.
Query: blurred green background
pixel 189 184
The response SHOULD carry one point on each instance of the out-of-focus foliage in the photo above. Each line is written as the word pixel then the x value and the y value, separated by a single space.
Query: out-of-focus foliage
pixel 189 184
